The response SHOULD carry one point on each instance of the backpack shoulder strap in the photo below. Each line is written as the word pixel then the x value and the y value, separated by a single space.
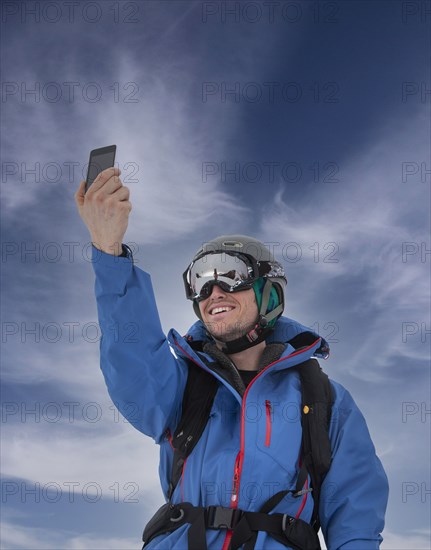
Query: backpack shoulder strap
pixel 198 399
pixel 317 401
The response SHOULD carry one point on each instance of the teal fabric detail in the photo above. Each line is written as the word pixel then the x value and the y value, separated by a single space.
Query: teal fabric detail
pixel 273 297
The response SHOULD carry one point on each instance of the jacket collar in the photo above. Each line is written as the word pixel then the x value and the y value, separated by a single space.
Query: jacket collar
pixel 300 343
pixel 287 331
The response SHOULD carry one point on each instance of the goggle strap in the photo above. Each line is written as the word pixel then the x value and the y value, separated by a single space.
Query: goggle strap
pixel 265 297
pixel 265 300
pixel 270 316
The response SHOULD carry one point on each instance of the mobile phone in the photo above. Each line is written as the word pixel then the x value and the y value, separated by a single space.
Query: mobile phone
pixel 100 159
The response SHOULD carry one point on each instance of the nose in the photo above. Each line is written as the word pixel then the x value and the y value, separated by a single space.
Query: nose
pixel 216 292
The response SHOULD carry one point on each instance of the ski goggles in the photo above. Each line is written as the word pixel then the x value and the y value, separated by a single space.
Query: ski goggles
pixel 231 271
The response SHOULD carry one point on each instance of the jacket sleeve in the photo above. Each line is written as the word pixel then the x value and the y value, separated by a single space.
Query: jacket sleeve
pixel 355 491
pixel 145 380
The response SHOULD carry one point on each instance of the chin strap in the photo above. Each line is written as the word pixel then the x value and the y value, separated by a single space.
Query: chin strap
pixel 256 335
pixel 260 330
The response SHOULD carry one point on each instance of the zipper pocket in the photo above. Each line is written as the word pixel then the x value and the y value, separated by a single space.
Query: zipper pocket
pixel 234 497
pixel 268 423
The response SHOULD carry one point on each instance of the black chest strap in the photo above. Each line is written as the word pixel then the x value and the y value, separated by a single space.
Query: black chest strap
pixel 291 532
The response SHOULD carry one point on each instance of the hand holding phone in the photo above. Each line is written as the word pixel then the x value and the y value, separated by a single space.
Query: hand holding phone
pixel 100 159
pixel 105 210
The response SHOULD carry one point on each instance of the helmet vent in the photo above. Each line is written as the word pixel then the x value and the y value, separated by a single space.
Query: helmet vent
pixel 234 244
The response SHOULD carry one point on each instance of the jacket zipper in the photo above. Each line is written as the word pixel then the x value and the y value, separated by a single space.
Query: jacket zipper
pixel 240 456
pixel 234 496
pixel 268 423
pixel 304 500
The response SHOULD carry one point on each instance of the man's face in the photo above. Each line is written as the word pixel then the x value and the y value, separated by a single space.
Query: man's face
pixel 239 313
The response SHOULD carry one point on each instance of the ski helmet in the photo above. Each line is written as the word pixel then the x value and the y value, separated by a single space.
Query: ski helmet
pixel 235 263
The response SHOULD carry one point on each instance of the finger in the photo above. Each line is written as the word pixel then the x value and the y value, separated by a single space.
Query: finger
pixel 103 178
pixel 79 195
pixel 127 205
pixel 122 194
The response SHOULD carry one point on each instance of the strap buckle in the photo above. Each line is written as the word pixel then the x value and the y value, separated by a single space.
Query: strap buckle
pixel 302 492
pixel 219 517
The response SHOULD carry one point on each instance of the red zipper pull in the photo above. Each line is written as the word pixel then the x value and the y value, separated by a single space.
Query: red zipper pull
pixel 234 498
pixel 268 423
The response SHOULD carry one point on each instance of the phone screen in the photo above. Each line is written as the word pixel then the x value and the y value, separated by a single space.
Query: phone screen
pixel 100 159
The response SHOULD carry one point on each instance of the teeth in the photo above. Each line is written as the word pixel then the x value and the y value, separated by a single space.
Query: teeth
pixel 220 310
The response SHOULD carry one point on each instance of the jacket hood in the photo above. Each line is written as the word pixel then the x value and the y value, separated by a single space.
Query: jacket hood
pixel 286 330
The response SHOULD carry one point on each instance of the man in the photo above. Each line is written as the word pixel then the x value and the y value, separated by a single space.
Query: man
pixel 232 389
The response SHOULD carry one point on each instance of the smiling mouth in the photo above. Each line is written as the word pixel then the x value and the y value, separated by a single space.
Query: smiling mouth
pixel 219 310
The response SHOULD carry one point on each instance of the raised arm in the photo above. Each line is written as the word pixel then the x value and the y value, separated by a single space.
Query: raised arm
pixel 144 379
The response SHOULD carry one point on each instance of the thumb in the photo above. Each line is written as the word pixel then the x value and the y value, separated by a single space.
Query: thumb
pixel 79 195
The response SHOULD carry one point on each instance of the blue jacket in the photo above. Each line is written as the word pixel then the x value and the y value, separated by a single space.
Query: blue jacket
pixel 255 438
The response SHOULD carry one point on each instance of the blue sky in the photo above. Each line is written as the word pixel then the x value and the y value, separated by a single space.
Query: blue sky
pixel 307 127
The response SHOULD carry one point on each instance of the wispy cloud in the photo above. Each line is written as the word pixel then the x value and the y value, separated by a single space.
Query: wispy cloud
pixel 16 537
pixel 416 539
pixel 413 540
pixel 368 218
pixel 79 449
